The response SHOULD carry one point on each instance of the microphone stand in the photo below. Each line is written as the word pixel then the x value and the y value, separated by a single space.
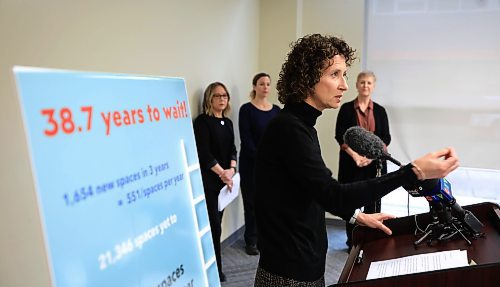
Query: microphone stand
pixel 378 203
pixel 445 226
pixel 393 160
pixel 379 167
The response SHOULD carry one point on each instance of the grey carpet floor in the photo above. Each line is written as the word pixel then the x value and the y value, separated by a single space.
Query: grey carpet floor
pixel 240 268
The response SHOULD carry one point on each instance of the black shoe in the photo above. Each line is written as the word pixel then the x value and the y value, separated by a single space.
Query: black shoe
pixel 251 250
pixel 222 277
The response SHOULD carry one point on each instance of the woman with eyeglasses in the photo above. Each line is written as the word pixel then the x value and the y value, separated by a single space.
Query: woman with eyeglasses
pixel 214 136
pixel 253 119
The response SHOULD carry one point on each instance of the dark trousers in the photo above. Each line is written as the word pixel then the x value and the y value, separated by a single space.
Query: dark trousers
pixel 215 219
pixel 248 192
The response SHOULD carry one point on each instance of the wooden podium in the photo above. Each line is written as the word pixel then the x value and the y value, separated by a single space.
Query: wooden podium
pixel 377 246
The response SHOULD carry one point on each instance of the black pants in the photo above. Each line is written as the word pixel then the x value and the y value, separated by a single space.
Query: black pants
pixel 215 219
pixel 248 192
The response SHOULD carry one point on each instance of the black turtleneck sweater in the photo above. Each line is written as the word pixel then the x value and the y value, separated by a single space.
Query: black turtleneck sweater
pixel 294 188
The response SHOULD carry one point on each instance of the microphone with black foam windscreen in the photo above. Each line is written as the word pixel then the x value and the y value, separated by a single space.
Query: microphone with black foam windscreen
pixel 367 144
pixel 436 191
pixel 371 146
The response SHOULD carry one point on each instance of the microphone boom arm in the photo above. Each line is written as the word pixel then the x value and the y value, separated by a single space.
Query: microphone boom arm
pixel 391 159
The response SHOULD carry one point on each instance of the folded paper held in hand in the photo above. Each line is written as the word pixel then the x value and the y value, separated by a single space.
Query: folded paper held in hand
pixel 226 196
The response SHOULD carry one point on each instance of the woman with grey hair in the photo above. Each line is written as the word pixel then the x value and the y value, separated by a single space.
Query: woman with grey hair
pixel 363 112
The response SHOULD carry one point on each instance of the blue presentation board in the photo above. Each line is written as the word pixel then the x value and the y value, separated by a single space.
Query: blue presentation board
pixel 117 179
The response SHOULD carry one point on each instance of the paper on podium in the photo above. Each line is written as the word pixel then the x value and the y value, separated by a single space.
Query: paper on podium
pixel 225 196
pixel 417 263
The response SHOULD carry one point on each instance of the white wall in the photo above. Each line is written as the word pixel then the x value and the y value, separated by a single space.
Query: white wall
pixel 440 88
pixel 201 41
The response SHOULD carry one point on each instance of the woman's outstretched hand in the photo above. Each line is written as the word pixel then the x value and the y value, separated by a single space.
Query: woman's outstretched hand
pixel 437 164
pixel 375 220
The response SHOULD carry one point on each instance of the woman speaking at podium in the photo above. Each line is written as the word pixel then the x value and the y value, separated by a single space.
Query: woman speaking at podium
pixel 294 187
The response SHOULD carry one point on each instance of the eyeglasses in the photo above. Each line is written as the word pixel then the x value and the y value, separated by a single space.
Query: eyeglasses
pixel 223 96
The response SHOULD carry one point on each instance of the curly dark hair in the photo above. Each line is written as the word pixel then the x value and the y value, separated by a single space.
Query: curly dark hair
pixel 309 57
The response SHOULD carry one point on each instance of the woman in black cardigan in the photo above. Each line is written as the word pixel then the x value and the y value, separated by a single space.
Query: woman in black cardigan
pixel 363 112
pixel 214 136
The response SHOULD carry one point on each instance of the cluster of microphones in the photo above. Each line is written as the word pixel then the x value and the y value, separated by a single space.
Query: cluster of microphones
pixel 436 191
